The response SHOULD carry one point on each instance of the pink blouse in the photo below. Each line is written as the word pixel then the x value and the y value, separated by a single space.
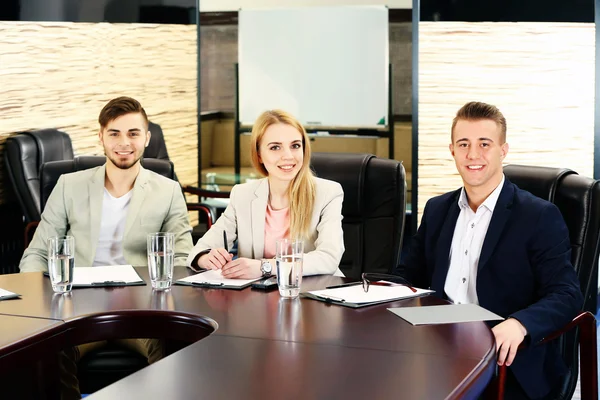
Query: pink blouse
pixel 277 226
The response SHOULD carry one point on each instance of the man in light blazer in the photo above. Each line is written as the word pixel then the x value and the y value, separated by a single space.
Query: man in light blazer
pixel 110 210
pixel 75 208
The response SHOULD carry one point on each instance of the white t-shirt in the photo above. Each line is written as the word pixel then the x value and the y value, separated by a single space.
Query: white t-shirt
pixel 109 250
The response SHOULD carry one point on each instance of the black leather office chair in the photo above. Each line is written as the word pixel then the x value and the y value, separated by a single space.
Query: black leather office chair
pixel 578 199
pixel 374 209
pixel 110 363
pixel 24 154
pixel 157 148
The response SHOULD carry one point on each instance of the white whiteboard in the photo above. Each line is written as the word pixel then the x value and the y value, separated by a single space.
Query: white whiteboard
pixel 328 66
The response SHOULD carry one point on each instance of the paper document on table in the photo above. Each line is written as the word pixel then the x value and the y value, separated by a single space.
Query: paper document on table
pixel 5 295
pixel 444 314
pixel 214 279
pixel 110 275
pixel 376 294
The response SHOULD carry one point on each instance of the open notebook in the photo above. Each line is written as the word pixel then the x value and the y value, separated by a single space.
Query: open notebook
pixel 214 279
pixel 355 296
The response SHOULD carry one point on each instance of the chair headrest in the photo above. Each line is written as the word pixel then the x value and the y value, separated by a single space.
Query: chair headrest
pixel 539 181
pixel 347 169
pixel 51 171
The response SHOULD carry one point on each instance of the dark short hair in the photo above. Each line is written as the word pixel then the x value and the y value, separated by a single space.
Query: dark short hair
pixel 476 111
pixel 119 107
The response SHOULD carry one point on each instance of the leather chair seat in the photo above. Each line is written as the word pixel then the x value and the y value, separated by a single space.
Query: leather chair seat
pixel 106 365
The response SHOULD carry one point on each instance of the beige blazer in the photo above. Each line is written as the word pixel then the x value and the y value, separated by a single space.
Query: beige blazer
pixel 75 208
pixel 244 219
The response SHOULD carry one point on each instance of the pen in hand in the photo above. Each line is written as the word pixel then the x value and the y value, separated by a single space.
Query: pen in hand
pixel 225 241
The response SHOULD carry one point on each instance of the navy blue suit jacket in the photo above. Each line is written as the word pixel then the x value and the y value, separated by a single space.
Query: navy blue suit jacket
pixel 524 272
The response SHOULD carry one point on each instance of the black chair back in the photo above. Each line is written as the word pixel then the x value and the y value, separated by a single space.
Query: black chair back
pixel 51 171
pixel 374 209
pixel 25 153
pixel 578 199
pixel 157 147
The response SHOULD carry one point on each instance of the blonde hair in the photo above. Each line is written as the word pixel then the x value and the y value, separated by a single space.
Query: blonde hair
pixel 301 191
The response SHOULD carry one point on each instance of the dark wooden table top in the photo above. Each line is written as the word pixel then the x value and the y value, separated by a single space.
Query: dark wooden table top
pixel 269 347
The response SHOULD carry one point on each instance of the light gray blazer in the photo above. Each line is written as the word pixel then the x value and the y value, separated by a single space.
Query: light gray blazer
pixel 74 208
pixel 244 219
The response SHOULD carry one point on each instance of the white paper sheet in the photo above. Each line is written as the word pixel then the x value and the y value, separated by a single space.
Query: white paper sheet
pixel 6 294
pixel 111 273
pixel 214 277
pixel 356 294
pixel 444 314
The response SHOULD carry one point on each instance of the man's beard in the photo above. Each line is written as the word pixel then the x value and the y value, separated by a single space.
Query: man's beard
pixel 124 164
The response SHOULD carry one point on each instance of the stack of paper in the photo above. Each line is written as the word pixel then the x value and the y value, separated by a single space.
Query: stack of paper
pixel 5 295
pixel 355 296
pixel 214 279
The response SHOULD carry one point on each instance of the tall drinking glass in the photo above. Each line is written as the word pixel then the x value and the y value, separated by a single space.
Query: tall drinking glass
pixel 288 256
pixel 161 255
pixel 61 262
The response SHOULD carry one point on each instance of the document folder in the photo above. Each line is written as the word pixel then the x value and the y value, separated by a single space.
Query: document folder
pixel 105 276
pixel 355 296
pixel 214 279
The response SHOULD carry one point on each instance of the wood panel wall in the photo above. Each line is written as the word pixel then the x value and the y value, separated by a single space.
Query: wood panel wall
pixel 540 75
pixel 60 75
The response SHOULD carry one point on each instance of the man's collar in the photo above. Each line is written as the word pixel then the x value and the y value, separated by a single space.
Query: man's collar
pixel 489 202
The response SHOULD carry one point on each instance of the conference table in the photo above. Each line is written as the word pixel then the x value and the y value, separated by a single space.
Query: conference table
pixel 250 343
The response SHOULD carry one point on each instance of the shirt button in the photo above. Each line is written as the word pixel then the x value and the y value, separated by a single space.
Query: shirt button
pixel 473 225
pixel 466 252
pixel 464 280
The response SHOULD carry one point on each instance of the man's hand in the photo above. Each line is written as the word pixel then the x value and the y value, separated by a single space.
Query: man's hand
pixel 509 335
pixel 242 268
pixel 215 259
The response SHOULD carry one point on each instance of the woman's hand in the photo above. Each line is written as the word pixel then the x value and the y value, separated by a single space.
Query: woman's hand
pixel 242 268
pixel 215 259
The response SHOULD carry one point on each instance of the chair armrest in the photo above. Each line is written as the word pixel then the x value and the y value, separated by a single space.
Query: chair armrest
pixel 204 193
pixel 29 231
pixel 586 322
pixel 204 209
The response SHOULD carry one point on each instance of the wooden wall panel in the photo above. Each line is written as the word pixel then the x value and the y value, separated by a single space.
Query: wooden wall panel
pixel 541 76
pixel 60 75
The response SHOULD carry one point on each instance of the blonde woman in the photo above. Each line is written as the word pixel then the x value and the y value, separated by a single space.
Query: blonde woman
pixel 290 202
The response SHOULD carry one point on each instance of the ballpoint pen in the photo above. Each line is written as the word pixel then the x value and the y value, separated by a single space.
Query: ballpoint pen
pixel 344 285
pixel 225 241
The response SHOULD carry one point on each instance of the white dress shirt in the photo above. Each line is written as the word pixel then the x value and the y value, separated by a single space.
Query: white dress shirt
pixel 469 234
pixel 109 250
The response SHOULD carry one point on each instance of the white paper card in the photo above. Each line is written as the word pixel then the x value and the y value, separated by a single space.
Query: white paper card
pixel 109 273
pixel 214 277
pixel 444 314
pixel 6 294
pixel 356 294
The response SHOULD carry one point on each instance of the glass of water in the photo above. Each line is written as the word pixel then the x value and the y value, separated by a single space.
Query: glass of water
pixel 160 259
pixel 61 262
pixel 289 254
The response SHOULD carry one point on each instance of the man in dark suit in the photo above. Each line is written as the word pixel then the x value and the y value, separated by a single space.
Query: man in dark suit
pixel 493 244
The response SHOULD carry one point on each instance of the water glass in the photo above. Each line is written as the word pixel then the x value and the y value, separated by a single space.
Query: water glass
pixel 61 262
pixel 161 255
pixel 288 256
